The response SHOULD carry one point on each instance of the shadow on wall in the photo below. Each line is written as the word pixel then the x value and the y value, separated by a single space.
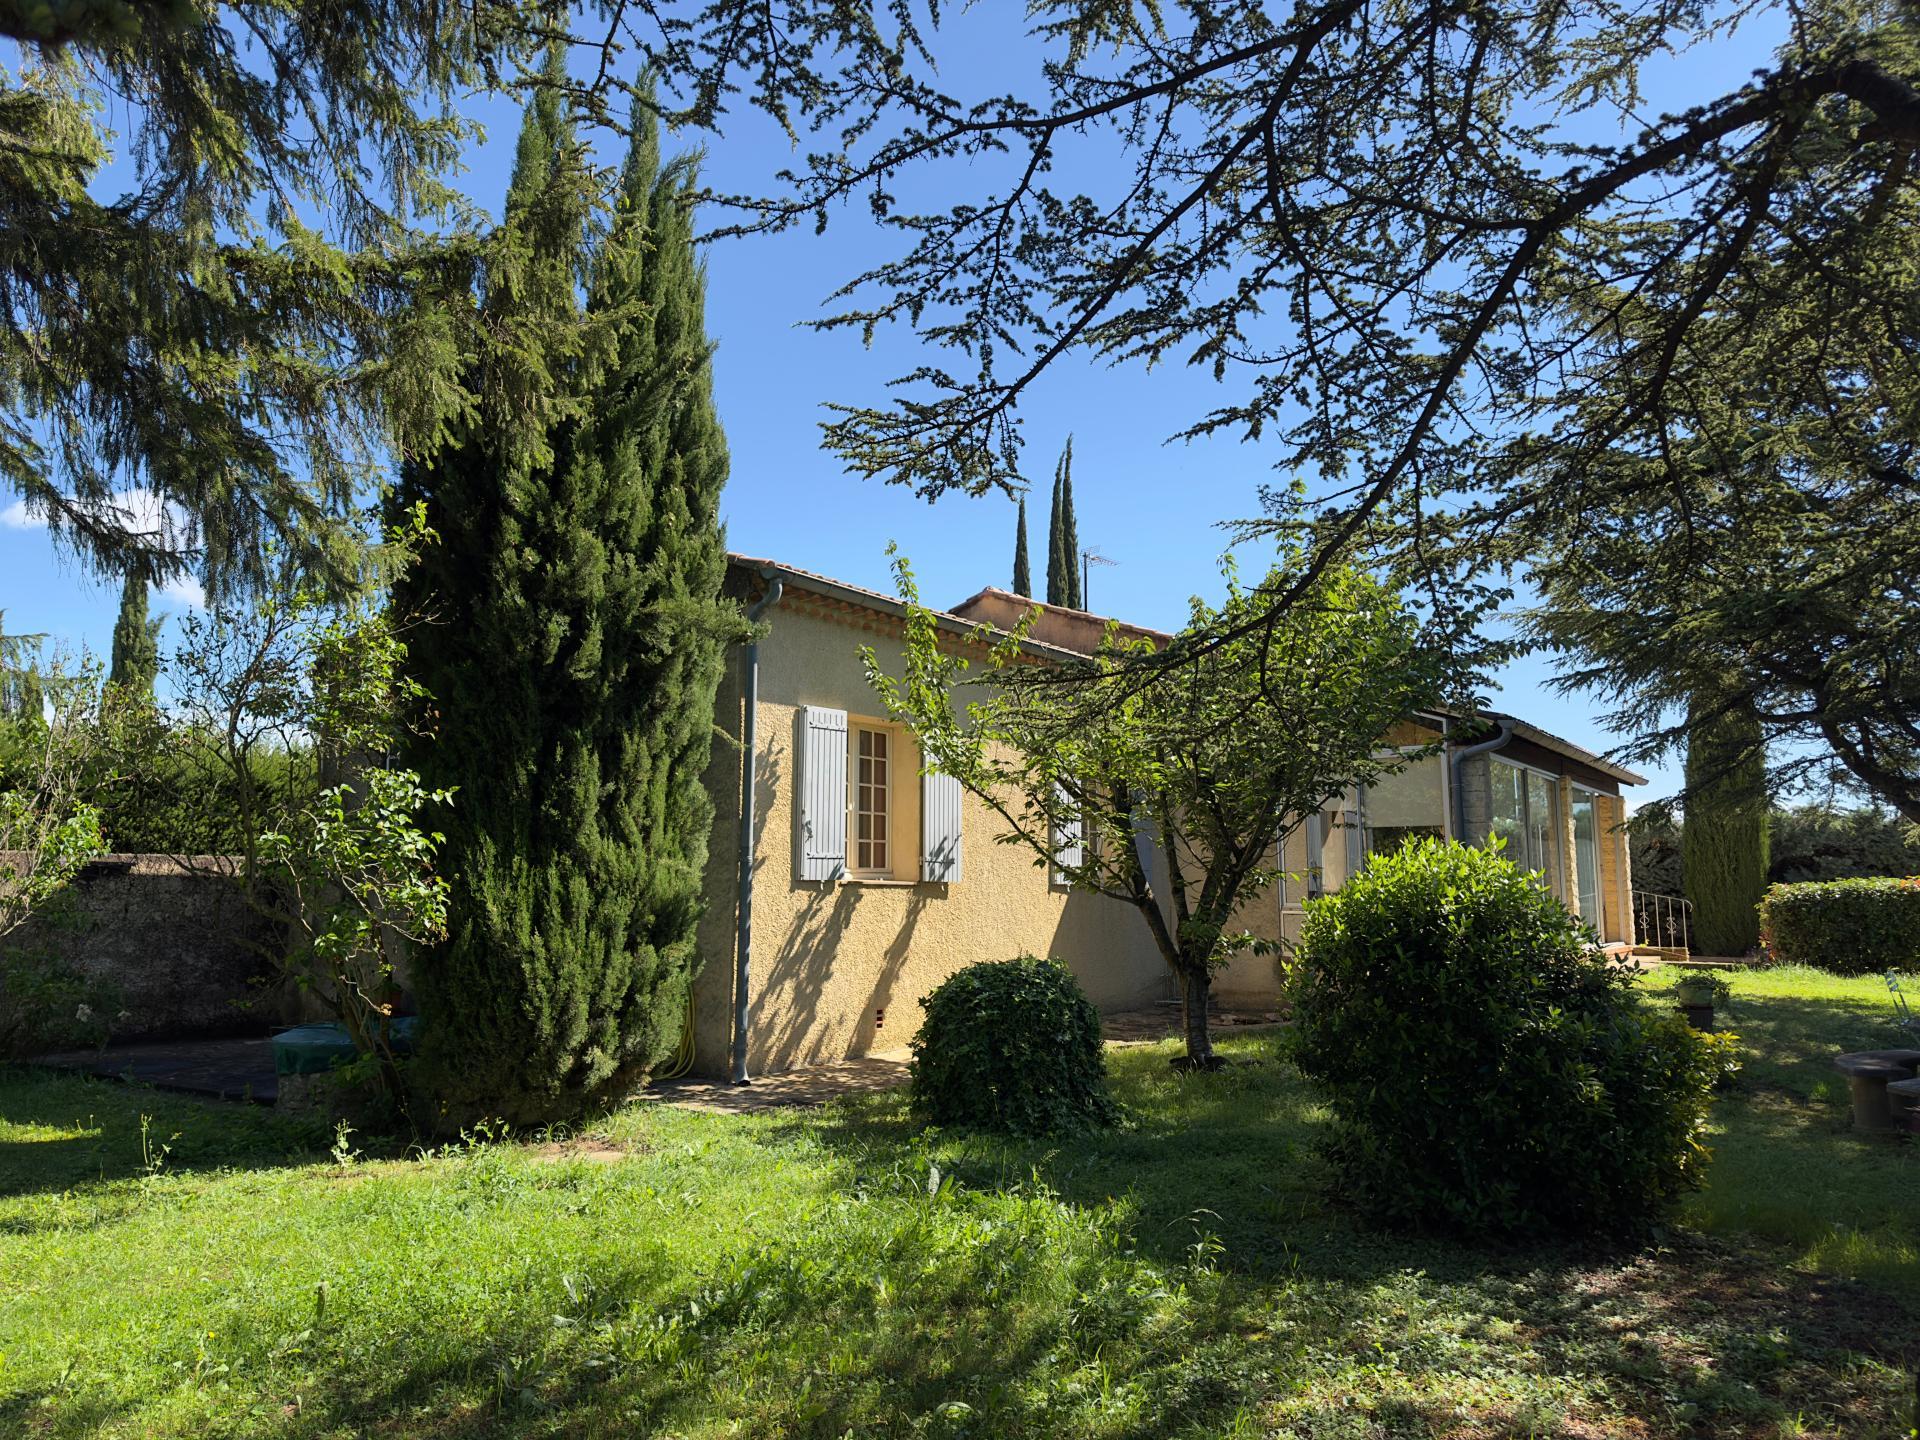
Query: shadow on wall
pixel 819 994
pixel 1107 946
pixel 798 1016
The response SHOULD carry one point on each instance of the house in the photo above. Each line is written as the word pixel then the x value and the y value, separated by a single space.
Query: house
pixel 843 885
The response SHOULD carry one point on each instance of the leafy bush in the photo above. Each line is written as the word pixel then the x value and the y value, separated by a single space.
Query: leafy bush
pixel 1487 1070
pixel 1824 842
pixel 161 786
pixel 1011 1045
pixel 1851 927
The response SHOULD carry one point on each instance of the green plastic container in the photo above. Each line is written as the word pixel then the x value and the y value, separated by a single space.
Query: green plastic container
pixel 318 1048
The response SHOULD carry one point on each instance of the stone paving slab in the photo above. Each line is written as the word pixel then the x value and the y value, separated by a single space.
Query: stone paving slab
pixel 791 1089
pixel 229 1069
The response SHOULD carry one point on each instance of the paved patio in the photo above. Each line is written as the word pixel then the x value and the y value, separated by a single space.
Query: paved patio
pixel 226 1069
pixel 242 1069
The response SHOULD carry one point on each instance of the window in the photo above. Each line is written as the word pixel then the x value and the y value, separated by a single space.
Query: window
pixel 1523 815
pixel 1405 806
pixel 1586 856
pixel 872 796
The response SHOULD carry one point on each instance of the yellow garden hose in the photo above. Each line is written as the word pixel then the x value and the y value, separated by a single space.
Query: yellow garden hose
pixel 682 1061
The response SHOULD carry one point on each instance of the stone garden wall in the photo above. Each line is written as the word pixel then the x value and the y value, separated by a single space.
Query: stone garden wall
pixel 174 945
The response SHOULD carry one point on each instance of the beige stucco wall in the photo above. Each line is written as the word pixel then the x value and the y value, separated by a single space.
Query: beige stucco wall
pixel 1276 914
pixel 839 968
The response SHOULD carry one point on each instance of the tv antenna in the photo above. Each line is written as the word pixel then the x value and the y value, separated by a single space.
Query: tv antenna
pixel 1088 559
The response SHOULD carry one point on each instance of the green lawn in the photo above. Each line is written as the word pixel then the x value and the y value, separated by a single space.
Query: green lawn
pixel 1787 1165
pixel 833 1273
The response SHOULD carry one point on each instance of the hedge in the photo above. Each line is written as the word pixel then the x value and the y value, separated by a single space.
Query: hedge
pixel 1851 927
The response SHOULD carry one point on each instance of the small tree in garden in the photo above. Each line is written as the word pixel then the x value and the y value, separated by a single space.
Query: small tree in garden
pixel 48 826
pixel 297 704
pixel 1168 789
pixel 351 869
pixel 20 693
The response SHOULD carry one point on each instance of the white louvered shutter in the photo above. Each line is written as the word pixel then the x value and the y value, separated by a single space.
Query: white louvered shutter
pixel 939 827
pixel 1069 842
pixel 820 849
pixel 1316 853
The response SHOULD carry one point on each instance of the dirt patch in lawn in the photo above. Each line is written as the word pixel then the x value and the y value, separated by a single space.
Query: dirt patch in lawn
pixel 591 1148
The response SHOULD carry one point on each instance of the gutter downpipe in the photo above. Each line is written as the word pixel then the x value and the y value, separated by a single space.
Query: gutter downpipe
pixel 743 948
pixel 1457 759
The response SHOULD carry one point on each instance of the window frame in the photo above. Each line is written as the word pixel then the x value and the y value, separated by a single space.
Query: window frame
pixel 1440 758
pixel 858 814
pixel 1550 868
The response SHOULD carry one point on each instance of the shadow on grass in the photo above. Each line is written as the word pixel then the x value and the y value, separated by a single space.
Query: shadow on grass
pixel 1226 1161
pixel 59 1131
pixel 932 1323
pixel 1197 1278
pixel 1790 1043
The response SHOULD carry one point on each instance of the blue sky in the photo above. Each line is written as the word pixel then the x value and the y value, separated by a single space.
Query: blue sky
pixel 1152 508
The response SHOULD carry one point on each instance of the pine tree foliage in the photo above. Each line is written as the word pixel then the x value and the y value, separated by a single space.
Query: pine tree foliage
pixel 1443 261
pixel 22 692
pixel 1745 536
pixel 1723 845
pixel 136 641
pixel 579 649
pixel 304 272
pixel 1022 566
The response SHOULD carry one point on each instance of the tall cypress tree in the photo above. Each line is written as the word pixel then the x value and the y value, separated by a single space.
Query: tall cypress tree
pixel 1022 567
pixel 652 461
pixel 515 1011
pixel 1070 532
pixel 1723 845
pixel 136 640
pixel 1059 565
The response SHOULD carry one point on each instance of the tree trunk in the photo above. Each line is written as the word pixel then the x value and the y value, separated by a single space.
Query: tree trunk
pixel 1196 988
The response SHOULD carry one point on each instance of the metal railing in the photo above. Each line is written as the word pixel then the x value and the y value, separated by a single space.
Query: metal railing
pixel 1662 921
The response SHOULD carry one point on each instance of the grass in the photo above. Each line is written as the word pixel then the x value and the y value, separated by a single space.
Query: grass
pixel 1788 1167
pixel 835 1273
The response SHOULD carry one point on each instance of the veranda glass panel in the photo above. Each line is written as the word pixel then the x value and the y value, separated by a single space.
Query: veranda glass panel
pixel 1586 857
pixel 1509 810
pixel 1540 808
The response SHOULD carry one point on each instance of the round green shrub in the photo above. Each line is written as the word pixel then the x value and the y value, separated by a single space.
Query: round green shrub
pixel 1487 1071
pixel 1013 1046
pixel 1850 927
